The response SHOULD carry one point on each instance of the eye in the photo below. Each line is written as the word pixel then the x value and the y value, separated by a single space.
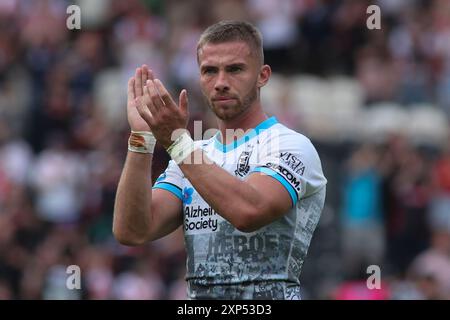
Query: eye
pixel 235 69
pixel 209 71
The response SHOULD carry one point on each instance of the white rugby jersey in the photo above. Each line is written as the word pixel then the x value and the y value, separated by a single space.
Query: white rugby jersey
pixel 225 263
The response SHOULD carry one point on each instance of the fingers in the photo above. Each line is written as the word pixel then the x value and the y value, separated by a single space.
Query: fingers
pixel 143 111
pixel 148 103
pixel 150 75
pixel 154 95
pixel 131 94
pixel 183 99
pixel 164 94
pixel 138 82
pixel 147 74
pixel 156 99
pixel 141 76
pixel 144 76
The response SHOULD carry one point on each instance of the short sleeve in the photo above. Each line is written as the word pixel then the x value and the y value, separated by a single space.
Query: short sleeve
pixel 294 163
pixel 171 180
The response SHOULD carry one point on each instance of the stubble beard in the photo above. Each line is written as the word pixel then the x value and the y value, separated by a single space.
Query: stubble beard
pixel 239 108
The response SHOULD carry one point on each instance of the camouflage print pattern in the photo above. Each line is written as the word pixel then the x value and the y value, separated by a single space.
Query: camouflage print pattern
pixel 266 264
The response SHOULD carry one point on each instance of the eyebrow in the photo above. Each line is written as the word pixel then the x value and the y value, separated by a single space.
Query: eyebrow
pixel 237 64
pixel 207 66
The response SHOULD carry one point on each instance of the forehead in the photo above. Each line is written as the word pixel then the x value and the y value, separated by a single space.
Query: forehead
pixel 224 53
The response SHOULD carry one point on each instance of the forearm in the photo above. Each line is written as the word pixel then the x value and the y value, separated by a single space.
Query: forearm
pixel 235 200
pixel 132 215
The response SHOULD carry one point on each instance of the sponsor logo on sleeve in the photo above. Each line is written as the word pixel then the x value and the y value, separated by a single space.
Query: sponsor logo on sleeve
pixel 293 181
pixel 292 162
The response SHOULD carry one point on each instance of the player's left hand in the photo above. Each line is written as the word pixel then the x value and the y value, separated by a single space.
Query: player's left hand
pixel 161 112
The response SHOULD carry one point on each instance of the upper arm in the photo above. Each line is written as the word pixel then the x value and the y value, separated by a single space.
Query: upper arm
pixel 166 211
pixel 276 200
pixel 286 174
pixel 166 206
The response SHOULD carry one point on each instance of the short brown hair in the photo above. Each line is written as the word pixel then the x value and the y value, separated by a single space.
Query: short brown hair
pixel 228 31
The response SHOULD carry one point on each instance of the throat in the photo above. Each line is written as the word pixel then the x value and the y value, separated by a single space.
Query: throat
pixel 233 130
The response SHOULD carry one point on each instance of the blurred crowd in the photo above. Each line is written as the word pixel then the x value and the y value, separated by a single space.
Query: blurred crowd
pixel 63 138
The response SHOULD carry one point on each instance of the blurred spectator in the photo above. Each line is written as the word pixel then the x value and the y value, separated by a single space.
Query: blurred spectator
pixel 97 265
pixel 440 200
pixel 406 188
pixel 431 268
pixel 362 219
pixel 356 288
pixel 277 22
pixel 141 282
pixel 58 178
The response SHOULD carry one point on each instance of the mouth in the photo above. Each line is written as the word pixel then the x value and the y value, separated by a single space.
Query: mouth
pixel 222 99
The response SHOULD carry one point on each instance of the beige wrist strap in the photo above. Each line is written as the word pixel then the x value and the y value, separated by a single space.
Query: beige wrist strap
pixel 182 147
pixel 141 142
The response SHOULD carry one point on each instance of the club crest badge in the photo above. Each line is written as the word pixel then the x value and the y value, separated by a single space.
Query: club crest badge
pixel 243 166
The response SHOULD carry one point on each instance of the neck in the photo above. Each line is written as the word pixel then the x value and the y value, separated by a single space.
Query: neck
pixel 245 121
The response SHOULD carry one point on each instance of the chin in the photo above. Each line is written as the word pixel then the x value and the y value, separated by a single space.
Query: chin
pixel 226 113
pixel 221 115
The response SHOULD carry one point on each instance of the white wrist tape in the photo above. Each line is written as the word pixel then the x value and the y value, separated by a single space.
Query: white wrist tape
pixel 182 147
pixel 141 142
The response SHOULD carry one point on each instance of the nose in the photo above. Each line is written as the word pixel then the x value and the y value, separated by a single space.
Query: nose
pixel 221 82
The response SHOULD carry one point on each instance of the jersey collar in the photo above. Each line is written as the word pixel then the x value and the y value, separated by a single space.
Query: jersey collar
pixel 266 124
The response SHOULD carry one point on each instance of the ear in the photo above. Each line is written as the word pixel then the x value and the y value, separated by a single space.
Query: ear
pixel 264 74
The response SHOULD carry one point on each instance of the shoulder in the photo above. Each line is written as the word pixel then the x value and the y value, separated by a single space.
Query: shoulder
pixel 294 157
pixel 287 140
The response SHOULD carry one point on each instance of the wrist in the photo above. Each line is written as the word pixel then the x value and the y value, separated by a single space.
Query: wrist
pixel 141 142
pixel 181 148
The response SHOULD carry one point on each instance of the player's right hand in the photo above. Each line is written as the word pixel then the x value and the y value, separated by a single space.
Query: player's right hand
pixel 136 89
